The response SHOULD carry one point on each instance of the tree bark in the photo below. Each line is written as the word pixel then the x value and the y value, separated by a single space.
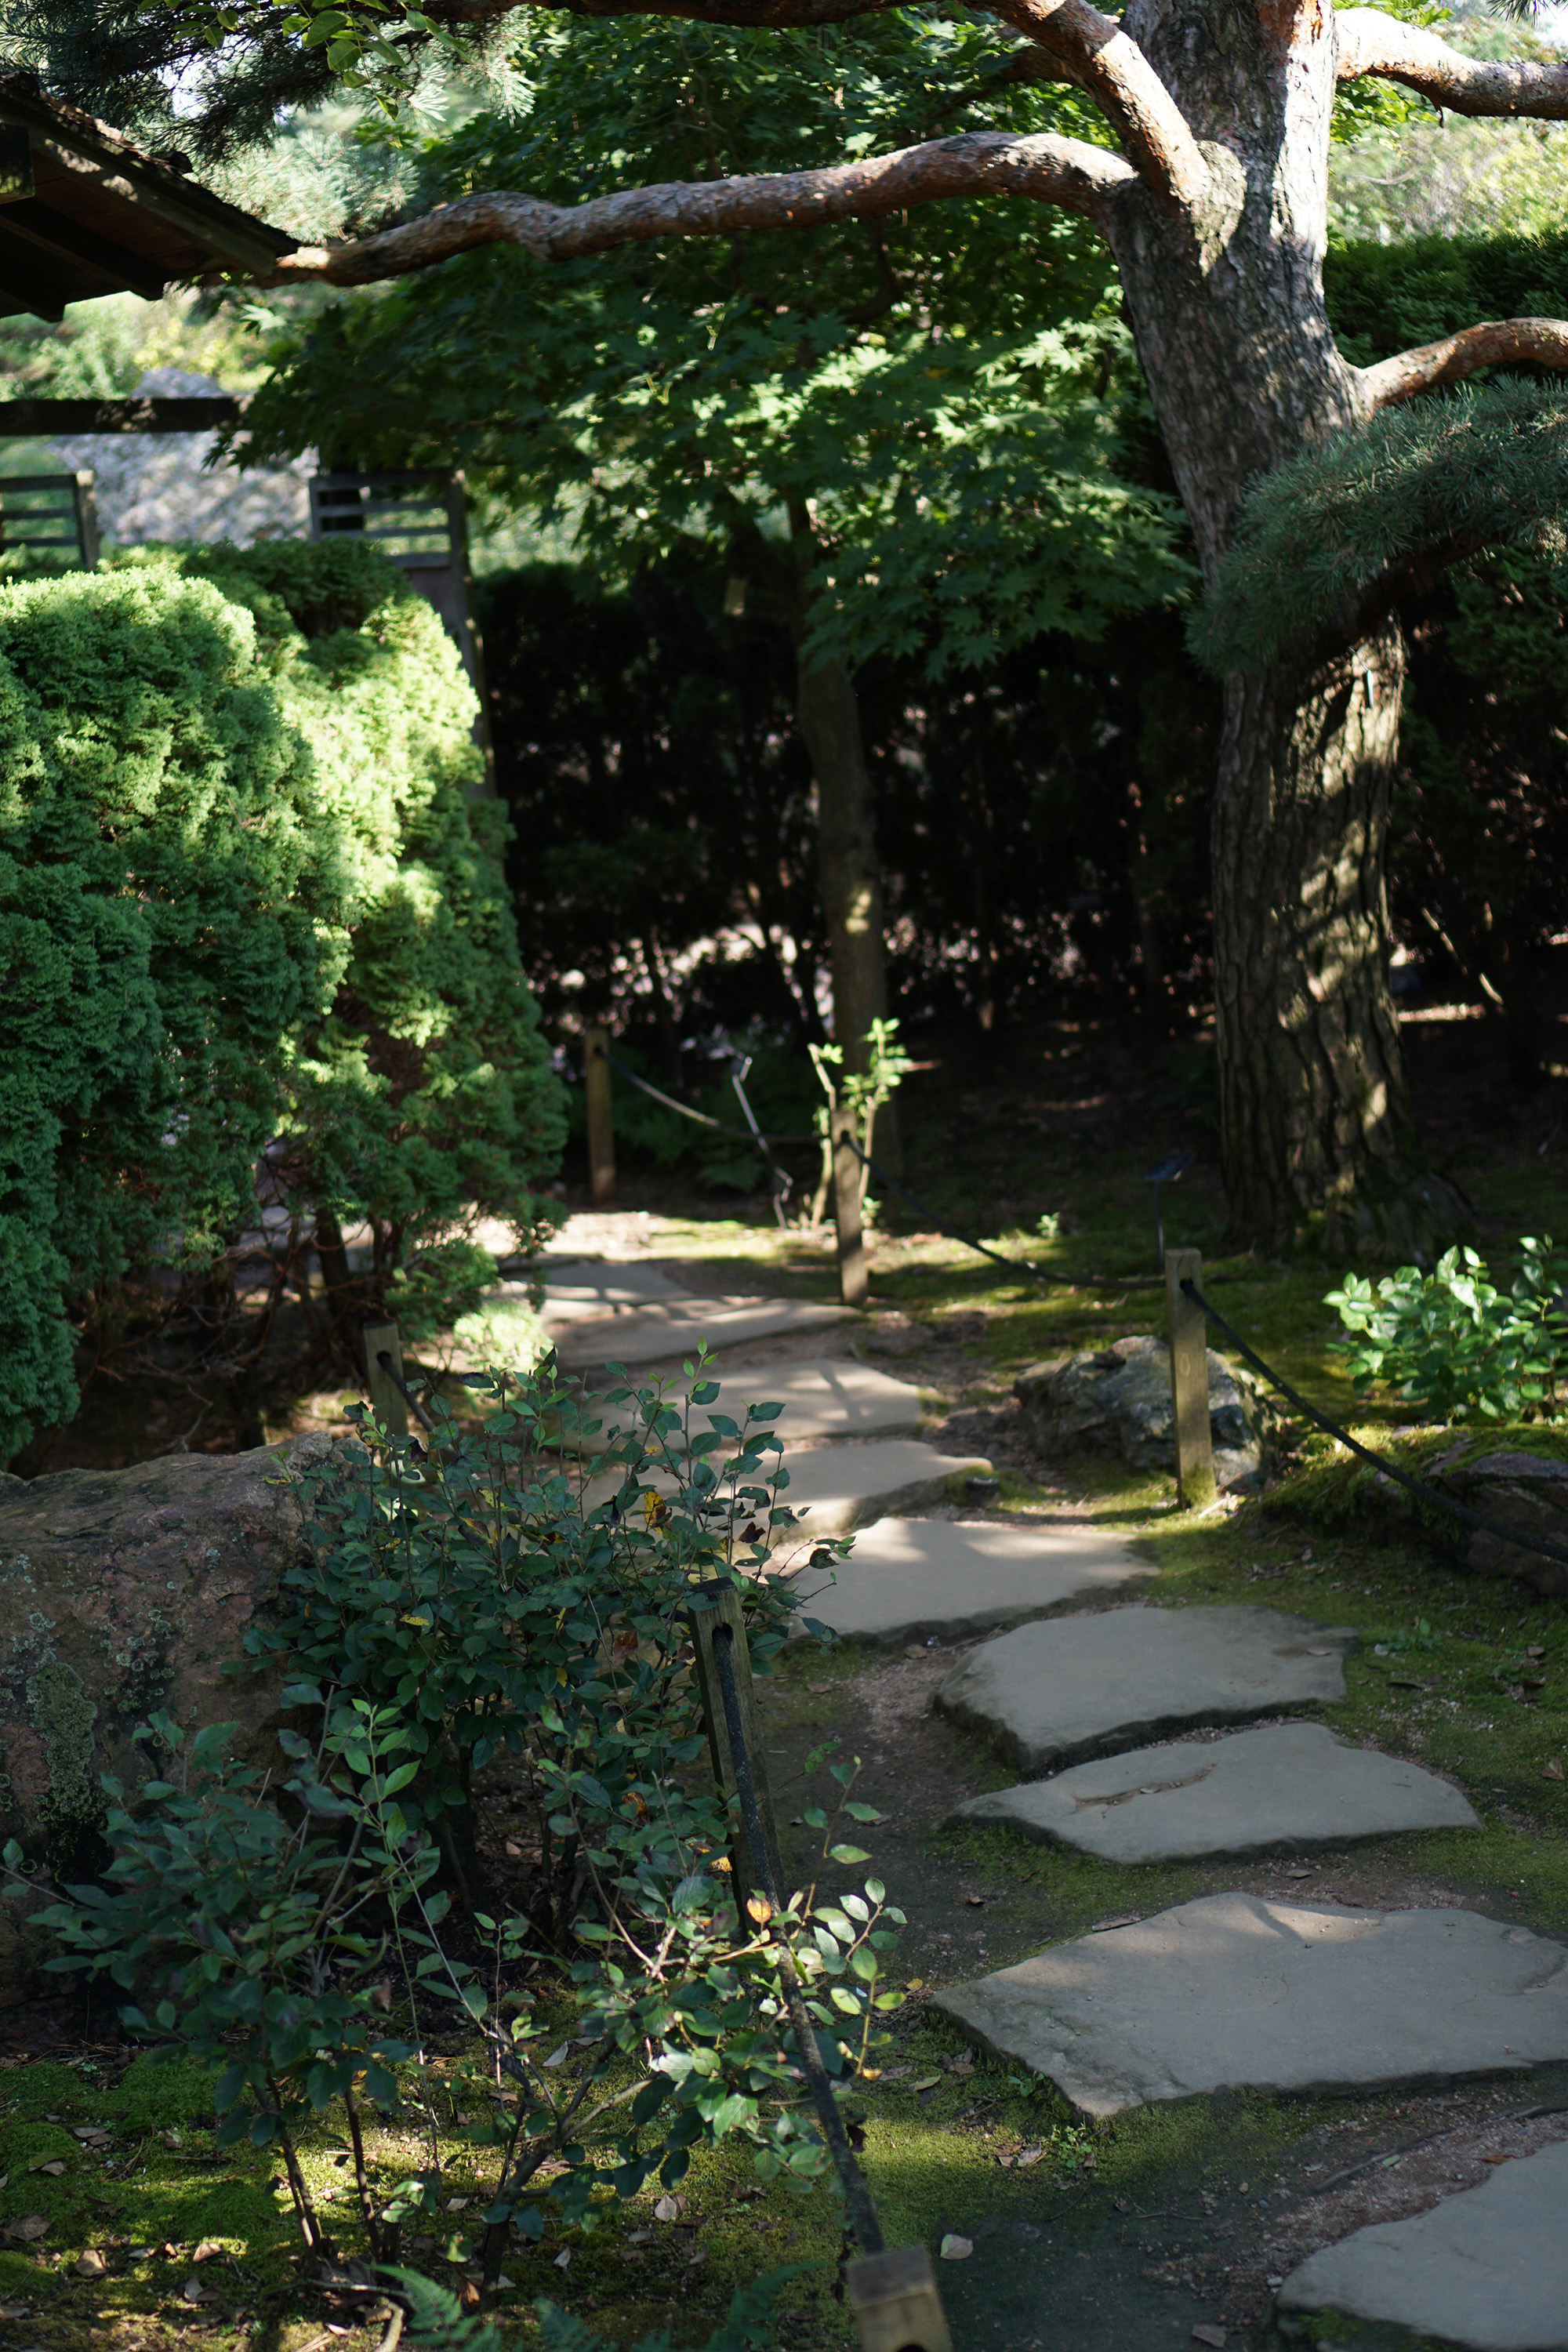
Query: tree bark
pixel 1226 304
pixel 850 877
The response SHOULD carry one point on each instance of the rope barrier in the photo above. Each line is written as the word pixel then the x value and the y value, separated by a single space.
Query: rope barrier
pixel 856 2196
pixel 1014 1265
pixel 753 1134
pixel 1389 1469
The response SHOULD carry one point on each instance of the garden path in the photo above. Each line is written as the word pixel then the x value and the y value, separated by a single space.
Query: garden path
pixel 1231 1992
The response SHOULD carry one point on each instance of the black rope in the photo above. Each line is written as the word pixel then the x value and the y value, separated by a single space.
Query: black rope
pixel 856 2196
pixel 1390 1470
pixel 721 1127
pixel 1014 1265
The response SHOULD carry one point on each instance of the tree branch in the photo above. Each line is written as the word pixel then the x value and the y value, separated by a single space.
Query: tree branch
pixel 1371 43
pixel 1065 171
pixel 1096 55
pixel 1496 342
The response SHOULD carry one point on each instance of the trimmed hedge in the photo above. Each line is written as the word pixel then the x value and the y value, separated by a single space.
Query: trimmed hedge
pixel 245 905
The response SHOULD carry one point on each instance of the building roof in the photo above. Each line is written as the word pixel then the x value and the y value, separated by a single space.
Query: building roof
pixel 84 213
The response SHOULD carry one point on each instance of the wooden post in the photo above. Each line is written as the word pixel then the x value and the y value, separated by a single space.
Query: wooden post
pixel 716 1611
pixel 896 2303
pixel 388 1400
pixel 1190 1380
pixel 852 1287
pixel 601 1117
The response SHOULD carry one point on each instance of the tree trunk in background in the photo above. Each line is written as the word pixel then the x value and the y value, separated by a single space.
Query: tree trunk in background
pixel 1303 1014
pixel 1228 311
pixel 847 864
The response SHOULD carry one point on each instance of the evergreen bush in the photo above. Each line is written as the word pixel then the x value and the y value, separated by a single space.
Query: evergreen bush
pixel 246 908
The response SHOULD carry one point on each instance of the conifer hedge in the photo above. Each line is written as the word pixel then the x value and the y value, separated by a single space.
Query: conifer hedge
pixel 246 907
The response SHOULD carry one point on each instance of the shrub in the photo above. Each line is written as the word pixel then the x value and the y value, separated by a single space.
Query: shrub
pixel 498 1599
pixel 245 909
pixel 1451 1340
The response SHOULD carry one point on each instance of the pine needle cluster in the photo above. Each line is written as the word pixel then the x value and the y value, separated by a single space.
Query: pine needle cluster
pixel 1327 543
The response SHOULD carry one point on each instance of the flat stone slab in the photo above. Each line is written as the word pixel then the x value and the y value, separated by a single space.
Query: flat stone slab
pixel 641 1331
pixel 1235 1991
pixel 1082 1686
pixel 838 1398
pixel 843 1486
pixel 1487 2270
pixel 1287 1786
pixel 909 1579
pixel 581 1289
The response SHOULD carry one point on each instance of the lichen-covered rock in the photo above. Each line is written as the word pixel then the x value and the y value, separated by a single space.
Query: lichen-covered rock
pixel 1118 1401
pixel 121 1592
pixel 1527 1491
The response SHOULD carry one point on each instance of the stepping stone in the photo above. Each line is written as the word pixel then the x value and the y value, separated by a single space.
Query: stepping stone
pixel 839 1398
pixel 643 1329
pixel 582 1288
pixel 1235 1991
pixel 1086 1685
pixel 1290 1786
pixel 1487 2270
pixel 909 1579
pixel 843 1486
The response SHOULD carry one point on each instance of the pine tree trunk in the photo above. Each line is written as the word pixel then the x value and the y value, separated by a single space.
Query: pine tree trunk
pixel 1228 311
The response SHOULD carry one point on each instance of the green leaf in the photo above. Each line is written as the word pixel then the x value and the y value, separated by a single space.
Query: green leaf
pixel 848 1853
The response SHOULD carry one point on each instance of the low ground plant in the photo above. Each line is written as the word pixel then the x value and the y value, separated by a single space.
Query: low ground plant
pixel 518 1592
pixel 1451 1340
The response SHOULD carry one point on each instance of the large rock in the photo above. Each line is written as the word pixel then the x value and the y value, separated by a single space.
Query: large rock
pixel 1080 1687
pixel 1284 1789
pixel 124 1591
pixel 1235 1993
pixel 1527 1491
pixel 1118 1401
pixel 1487 2270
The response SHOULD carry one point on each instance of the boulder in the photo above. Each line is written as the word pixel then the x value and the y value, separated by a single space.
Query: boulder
pixel 121 1592
pixel 1527 1491
pixel 1118 1401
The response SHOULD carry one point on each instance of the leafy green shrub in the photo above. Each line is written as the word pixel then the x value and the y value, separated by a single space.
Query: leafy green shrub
pixel 500 1599
pixel 245 908
pixel 438 2322
pixel 1451 1340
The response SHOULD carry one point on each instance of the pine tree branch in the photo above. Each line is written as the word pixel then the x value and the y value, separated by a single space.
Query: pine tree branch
pixel 1326 545
pixel 1101 58
pixel 1065 171
pixel 1371 43
pixel 1496 342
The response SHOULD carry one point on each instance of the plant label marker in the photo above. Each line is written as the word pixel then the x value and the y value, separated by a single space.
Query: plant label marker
pixel 386 1398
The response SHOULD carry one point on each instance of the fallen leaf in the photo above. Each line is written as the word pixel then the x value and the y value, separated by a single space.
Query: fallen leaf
pixel 1123 1919
pixel 15 2310
pixel 1206 2333
pixel 564 2259
pixel 194 2292
pixel 513 1852
pixel 1298 1870
pixel 978 1901
pixel 955 2249
pixel 926 2083
pixel 669 2209
pixel 468 2295
pixel 1554 1770
pixel 30 2226
pixel 54 2164
pixel 638 2237
pixel 208 2252
pixel 456 2204
pixel 692 2260
pixel 558 2057
pixel 1029 2156
pixel 92 2264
